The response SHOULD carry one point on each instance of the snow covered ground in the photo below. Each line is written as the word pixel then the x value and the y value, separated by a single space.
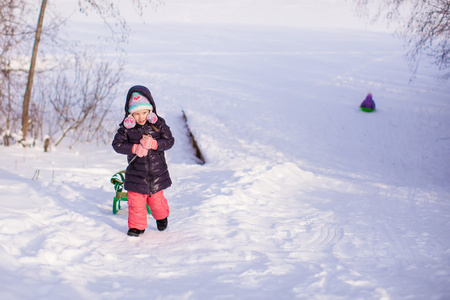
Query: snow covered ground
pixel 302 196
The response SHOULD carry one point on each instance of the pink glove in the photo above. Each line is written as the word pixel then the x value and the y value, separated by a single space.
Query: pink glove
pixel 139 150
pixel 149 143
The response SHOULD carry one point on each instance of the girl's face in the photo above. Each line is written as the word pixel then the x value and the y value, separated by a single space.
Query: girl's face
pixel 141 116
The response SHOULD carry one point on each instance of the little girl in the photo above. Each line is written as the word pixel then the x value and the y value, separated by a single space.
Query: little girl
pixel 144 136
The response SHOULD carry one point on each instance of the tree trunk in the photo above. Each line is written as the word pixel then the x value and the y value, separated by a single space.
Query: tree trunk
pixel 27 98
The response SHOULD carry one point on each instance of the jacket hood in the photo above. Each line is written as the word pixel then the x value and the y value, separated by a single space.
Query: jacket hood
pixel 144 92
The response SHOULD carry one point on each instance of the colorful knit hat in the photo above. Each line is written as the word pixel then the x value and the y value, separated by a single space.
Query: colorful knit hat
pixel 138 102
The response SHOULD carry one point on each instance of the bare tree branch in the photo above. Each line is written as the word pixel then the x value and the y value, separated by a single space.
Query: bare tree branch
pixel 424 25
pixel 83 97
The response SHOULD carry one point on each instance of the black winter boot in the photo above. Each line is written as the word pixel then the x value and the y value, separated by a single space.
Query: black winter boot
pixel 135 232
pixel 161 224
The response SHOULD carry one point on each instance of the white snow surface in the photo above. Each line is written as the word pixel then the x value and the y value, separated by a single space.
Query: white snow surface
pixel 303 196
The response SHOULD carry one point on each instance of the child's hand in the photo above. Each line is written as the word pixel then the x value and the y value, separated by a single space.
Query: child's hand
pixel 139 150
pixel 149 143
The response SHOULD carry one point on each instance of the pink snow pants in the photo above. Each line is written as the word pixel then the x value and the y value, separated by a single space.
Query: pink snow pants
pixel 137 208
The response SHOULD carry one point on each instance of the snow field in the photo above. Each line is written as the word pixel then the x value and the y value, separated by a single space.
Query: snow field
pixel 302 196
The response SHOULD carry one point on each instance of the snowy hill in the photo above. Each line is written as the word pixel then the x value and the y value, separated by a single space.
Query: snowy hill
pixel 302 196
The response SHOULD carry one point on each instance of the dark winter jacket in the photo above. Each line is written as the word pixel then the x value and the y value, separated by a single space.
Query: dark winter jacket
pixel 148 174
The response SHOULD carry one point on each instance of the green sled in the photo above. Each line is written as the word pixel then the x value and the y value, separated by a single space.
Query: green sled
pixel 118 180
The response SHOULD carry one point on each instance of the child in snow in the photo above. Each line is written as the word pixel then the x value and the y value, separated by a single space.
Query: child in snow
pixel 368 105
pixel 144 136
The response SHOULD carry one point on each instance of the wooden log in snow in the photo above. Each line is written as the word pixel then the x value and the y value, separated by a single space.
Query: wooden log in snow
pixel 198 152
